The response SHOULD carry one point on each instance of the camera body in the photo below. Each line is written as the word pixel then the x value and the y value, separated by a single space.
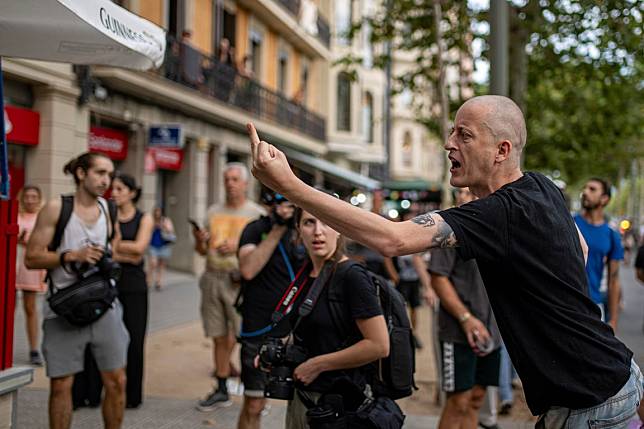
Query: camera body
pixel 105 266
pixel 108 266
pixel 281 360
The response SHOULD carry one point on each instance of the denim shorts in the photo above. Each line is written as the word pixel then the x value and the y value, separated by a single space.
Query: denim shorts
pixel 615 412
pixel 164 252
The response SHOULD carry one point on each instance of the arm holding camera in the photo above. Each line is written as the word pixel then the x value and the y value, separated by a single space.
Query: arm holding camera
pixel 253 258
pixel 373 346
pixel 38 255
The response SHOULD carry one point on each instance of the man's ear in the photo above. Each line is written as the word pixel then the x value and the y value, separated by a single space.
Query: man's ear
pixel 604 199
pixel 503 150
pixel 80 173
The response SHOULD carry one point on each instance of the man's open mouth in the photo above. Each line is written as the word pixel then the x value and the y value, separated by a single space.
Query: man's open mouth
pixel 455 164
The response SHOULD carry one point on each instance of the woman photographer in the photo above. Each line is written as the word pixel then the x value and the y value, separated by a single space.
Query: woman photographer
pixel 329 357
pixel 136 230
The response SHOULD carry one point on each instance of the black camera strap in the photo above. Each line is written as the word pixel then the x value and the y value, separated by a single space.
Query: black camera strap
pixel 315 290
pixel 285 304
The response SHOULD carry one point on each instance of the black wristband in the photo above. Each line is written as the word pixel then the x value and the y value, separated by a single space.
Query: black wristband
pixel 61 259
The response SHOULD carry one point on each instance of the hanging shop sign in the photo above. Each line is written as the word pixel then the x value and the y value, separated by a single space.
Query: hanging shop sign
pixel 165 135
pixel 22 126
pixel 164 158
pixel 109 142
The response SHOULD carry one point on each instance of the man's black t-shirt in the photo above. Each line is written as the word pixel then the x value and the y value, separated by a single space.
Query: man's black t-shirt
pixel 529 255
pixel 320 335
pixel 263 292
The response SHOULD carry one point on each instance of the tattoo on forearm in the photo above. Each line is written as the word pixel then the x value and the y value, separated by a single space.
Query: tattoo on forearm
pixel 425 220
pixel 444 237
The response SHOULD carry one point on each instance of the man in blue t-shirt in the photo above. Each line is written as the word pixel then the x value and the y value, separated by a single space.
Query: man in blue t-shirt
pixel 604 249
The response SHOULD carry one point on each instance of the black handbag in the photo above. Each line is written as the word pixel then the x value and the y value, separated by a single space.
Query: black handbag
pixel 88 299
pixel 85 301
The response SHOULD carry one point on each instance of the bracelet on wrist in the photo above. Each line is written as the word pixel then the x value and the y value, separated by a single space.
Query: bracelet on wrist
pixel 61 259
pixel 465 317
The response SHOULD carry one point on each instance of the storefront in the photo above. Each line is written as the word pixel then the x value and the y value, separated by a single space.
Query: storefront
pixel 110 142
pixel 23 131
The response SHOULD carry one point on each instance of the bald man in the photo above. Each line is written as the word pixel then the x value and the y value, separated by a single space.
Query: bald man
pixel 530 254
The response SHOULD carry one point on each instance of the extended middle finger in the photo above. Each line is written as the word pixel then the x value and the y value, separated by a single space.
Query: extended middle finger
pixel 254 140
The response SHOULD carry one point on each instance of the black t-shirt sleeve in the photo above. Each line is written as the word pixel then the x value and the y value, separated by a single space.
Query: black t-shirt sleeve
pixel 639 261
pixel 442 261
pixel 481 228
pixel 252 233
pixel 361 294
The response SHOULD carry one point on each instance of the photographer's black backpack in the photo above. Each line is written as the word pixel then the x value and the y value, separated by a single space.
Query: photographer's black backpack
pixel 395 378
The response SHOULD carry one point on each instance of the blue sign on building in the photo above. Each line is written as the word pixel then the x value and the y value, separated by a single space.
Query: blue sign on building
pixel 165 135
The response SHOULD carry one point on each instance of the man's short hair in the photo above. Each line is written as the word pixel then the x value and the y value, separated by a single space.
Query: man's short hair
pixel 504 119
pixel 605 185
pixel 243 170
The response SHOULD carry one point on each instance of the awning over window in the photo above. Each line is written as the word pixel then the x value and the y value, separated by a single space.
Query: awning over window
pixel 325 166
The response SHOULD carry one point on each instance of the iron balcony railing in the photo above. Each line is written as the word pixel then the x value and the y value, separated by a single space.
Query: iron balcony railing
pixel 223 81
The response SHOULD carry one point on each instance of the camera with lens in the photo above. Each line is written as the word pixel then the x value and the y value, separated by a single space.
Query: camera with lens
pixel 281 360
pixel 105 266
pixel 108 266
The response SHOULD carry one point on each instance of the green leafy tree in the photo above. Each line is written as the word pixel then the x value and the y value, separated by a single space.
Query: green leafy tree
pixel 575 70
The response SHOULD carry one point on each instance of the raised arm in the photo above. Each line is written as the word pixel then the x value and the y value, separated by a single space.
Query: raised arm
pixel 271 167
pixel 254 257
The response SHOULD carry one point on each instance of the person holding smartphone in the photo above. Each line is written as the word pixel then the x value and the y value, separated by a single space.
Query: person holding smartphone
pixel 468 335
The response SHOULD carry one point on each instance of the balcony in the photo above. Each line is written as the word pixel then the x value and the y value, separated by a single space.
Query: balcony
pixel 224 82
pixel 322 31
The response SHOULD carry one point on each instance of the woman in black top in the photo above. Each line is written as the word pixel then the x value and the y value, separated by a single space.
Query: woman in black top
pixel 136 230
pixel 329 355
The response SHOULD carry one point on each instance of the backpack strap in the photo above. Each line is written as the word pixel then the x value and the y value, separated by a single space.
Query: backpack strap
pixel 66 210
pixel 337 302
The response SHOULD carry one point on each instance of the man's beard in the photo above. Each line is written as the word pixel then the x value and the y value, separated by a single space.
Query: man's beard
pixel 587 205
pixel 93 192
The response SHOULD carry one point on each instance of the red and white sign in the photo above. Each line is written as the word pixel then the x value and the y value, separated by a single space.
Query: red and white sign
pixel 166 158
pixel 22 126
pixel 109 142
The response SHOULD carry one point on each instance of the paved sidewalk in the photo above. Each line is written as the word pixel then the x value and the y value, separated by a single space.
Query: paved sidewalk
pixel 158 413
pixel 178 367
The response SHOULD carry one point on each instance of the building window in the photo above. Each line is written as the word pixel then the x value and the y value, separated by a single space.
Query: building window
pixel 367 54
pixel 256 54
pixel 407 150
pixel 344 102
pixel 343 20
pixel 282 71
pixel 304 85
pixel 176 17
pixel 367 117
